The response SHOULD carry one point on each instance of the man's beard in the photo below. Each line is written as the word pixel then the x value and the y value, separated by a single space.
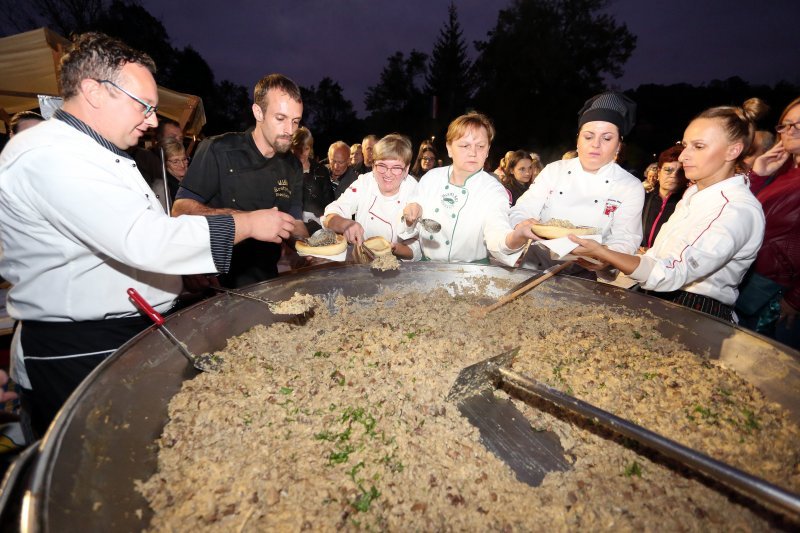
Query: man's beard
pixel 282 144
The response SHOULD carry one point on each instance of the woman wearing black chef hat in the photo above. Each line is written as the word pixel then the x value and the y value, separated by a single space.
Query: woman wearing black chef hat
pixel 701 254
pixel 591 190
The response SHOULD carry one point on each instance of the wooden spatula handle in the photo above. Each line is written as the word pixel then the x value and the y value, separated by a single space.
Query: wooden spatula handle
pixel 549 273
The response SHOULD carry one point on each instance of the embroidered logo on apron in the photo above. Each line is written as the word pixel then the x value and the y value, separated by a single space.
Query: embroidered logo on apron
pixel 449 200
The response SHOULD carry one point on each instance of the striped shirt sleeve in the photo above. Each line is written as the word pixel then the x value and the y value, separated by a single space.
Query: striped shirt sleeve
pixel 221 229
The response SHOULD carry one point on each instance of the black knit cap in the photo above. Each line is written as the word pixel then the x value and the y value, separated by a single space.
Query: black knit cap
pixel 612 107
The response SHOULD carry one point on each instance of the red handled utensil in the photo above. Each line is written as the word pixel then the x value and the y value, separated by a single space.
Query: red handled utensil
pixel 204 362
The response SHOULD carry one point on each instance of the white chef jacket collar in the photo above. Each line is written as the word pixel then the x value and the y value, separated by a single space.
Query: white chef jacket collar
pixel 81 126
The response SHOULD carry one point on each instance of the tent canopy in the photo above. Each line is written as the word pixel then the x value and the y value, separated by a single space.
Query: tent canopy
pixel 29 68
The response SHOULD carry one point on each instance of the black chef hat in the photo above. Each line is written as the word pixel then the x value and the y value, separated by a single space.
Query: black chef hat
pixel 612 107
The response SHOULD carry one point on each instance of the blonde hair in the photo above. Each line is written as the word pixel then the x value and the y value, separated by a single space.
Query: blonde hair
pixel 738 122
pixel 394 146
pixel 471 121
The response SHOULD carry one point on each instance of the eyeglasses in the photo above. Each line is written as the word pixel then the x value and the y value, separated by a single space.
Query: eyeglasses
pixel 179 161
pixel 148 109
pixel 787 127
pixel 396 171
pixel 428 159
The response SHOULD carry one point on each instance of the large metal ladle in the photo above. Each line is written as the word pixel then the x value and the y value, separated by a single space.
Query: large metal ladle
pixel 427 223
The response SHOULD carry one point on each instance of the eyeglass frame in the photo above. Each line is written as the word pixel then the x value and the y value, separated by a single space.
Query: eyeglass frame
pixel 148 109
pixel 395 171
pixel 780 128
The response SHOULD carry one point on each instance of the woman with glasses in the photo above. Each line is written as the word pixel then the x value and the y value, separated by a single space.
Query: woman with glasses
pixel 376 199
pixel 770 298
pixel 660 203
pixel 702 252
pixel 470 205
pixel 176 163
pixel 426 160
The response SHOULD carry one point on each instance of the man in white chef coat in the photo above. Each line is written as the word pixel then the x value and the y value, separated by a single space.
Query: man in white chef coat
pixel 79 225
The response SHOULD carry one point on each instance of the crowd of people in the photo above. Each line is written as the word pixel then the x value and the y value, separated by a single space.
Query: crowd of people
pixel 711 228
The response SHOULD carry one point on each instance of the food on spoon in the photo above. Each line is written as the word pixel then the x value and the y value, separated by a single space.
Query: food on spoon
pixel 555 228
pixel 323 242
pixel 296 305
pixel 385 262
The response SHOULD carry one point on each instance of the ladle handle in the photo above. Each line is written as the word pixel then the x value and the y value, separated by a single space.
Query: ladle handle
pixel 145 307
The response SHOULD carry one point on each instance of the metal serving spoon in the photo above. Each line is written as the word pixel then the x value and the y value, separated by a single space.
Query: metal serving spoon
pixel 427 223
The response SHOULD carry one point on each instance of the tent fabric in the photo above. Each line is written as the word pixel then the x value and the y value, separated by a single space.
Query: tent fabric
pixel 29 67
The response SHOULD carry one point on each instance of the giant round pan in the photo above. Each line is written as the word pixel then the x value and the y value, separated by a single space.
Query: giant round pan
pixel 103 439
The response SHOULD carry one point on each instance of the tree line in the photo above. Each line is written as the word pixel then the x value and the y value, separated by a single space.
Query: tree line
pixel 538 63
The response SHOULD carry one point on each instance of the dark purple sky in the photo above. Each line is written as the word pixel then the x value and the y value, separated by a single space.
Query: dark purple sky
pixel 692 41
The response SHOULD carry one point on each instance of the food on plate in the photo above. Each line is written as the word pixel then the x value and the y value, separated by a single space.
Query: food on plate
pixel 379 246
pixel 555 228
pixel 343 424
pixel 323 242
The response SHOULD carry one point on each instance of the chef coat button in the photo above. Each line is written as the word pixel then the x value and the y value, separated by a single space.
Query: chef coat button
pixel 233 200
pixel 230 170
pixel 372 218
pixel 134 165
pixel 453 215
pixel 447 242
pixel 606 181
pixel 116 161
pixel 569 172
pixel 560 192
pixel 446 187
pixel 595 201
pixel 431 237
pixel 436 210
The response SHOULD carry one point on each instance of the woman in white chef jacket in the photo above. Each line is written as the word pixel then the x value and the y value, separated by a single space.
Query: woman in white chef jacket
pixel 377 199
pixel 471 205
pixel 703 251
pixel 592 189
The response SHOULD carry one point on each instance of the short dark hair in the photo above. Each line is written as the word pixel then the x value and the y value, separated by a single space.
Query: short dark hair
pixel 163 122
pixel 13 124
pixel 275 81
pixel 97 56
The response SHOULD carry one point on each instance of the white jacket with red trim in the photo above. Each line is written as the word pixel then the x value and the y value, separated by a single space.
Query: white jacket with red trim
pixel 379 215
pixel 707 244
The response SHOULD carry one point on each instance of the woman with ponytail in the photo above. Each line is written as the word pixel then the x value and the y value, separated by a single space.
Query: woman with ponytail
pixel 770 298
pixel 704 250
